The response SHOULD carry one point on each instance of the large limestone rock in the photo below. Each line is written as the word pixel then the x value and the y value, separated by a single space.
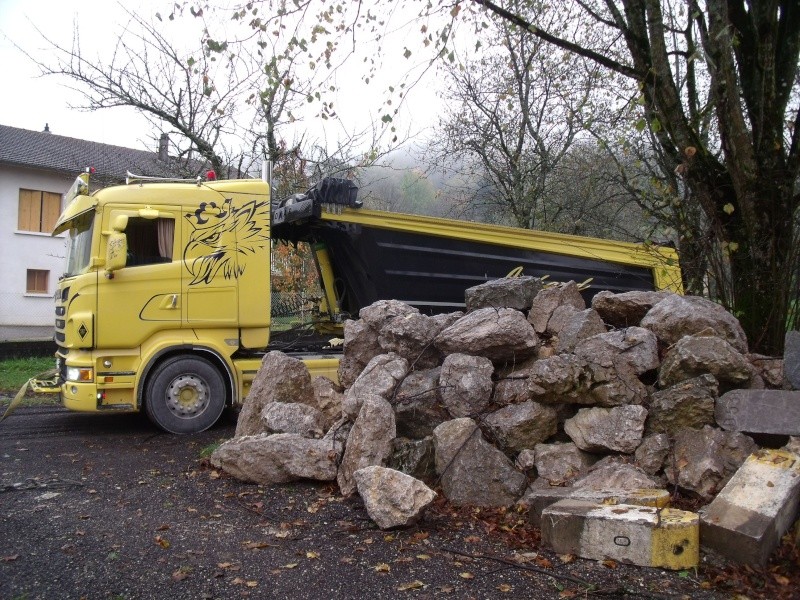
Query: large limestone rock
pixel 561 463
pixel 360 346
pixel 369 442
pixel 652 452
pixel 280 378
pixel 472 470
pixel 418 405
pixel 697 354
pixel 511 383
pixel 678 316
pixel 293 417
pixel 566 378
pixel 498 334
pixel 616 476
pixel 508 292
pixel 411 337
pixel 327 400
pixel 392 499
pixel 380 377
pixel 520 426
pixel 581 325
pixel 466 384
pixel 626 309
pixel 414 457
pixel 549 299
pixel 770 369
pixel 561 317
pixel 689 403
pixel 278 458
pixel 607 429
pixel 633 347
pixel 705 459
pixel 362 337
pixel 381 312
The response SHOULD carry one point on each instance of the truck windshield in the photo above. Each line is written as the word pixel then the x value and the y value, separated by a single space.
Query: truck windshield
pixel 79 244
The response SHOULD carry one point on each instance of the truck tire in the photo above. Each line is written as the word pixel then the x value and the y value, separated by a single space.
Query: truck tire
pixel 185 395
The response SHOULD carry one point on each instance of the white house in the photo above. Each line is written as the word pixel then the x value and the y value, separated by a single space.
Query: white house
pixel 36 169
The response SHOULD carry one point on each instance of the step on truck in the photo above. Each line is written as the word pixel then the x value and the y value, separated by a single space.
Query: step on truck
pixel 165 304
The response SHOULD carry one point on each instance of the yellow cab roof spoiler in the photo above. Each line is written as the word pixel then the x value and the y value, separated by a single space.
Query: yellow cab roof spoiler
pixel 76 202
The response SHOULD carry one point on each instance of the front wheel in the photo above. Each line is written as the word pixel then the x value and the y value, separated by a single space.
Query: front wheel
pixel 185 395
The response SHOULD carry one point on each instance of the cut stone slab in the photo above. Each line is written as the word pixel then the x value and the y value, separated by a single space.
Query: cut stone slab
pixel 791 358
pixel 536 498
pixel 639 535
pixel 759 411
pixel 746 520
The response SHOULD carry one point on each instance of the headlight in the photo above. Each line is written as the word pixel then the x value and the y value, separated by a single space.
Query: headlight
pixel 80 374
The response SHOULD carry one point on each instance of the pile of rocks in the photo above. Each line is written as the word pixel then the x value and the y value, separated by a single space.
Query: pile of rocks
pixel 528 391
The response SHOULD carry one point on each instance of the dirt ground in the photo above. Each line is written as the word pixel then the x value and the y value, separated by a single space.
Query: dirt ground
pixel 106 506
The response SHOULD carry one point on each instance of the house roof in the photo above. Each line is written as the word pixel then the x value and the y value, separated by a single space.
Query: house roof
pixel 45 150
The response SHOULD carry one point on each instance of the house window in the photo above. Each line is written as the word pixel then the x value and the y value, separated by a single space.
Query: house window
pixel 38 211
pixel 37 281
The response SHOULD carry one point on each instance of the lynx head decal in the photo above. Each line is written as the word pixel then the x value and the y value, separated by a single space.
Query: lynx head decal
pixel 221 236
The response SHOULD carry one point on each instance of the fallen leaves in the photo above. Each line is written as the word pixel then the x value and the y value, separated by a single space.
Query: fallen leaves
pixel 609 564
pixel 382 568
pixel 10 558
pixel 412 585
pixel 466 575
pixel 181 573
pixel 257 545
pixel 163 542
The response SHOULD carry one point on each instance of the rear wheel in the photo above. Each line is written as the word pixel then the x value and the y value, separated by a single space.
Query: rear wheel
pixel 185 395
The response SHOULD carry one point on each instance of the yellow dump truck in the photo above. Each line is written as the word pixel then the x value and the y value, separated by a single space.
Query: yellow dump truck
pixel 165 302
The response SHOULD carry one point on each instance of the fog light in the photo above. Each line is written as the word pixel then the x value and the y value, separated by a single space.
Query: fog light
pixel 73 390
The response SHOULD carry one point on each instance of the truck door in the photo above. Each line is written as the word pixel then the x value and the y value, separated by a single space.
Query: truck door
pixel 145 295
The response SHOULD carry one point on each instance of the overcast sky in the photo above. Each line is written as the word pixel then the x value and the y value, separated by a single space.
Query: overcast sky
pixel 30 101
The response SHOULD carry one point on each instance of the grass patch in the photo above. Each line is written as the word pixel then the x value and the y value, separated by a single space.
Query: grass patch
pixel 14 372
pixel 209 450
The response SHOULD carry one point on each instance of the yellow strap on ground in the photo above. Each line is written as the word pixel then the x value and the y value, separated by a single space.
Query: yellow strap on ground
pixel 17 399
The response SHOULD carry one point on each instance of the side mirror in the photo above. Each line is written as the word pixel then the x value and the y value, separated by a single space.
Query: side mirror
pixel 120 223
pixel 116 250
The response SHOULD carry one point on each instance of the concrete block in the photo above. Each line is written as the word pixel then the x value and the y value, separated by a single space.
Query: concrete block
pixel 791 358
pixel 639 535
pixel 537 499
pixel 759 411
pixel 746 520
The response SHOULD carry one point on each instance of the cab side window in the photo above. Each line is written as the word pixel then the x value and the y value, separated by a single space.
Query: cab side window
pixel 150 241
